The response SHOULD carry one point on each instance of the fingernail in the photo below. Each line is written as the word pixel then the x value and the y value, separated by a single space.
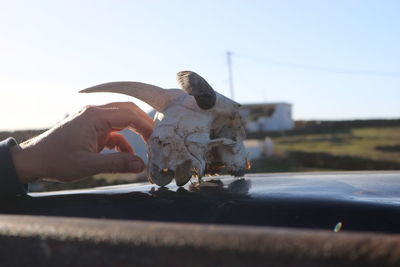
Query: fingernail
pixel 135 166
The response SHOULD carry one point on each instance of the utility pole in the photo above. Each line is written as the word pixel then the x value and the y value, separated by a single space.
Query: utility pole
pixel 229 55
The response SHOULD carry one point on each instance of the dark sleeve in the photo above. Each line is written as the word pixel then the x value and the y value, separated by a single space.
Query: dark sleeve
pixel 9 183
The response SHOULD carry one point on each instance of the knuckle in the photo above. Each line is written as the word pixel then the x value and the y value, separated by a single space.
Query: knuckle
pixel 131 105
pixel 90 111
pixel 128 106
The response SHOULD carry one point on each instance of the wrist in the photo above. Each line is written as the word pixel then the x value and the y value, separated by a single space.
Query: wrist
pixel 25 164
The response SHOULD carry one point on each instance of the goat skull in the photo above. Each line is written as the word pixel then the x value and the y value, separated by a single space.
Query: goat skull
pixel 197 131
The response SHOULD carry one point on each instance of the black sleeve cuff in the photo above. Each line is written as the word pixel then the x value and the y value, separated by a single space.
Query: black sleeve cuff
pixel 10 185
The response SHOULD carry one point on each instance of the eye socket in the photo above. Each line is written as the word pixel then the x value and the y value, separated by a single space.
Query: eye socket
pixel 212 134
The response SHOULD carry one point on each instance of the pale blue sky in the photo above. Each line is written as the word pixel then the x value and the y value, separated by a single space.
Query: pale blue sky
pixel 330 59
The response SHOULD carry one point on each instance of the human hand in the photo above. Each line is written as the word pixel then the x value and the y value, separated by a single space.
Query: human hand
pixel 70 150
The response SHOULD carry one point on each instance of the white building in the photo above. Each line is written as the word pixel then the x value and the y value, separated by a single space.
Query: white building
pixel 268 117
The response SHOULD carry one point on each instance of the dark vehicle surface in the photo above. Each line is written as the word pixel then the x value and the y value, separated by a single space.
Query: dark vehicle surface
pixel 305 219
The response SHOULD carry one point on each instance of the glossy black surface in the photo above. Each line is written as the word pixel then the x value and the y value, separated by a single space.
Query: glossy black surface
pixel 367 201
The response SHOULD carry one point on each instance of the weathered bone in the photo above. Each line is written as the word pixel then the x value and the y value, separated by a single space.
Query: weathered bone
pixel 196 133
pixel 153 95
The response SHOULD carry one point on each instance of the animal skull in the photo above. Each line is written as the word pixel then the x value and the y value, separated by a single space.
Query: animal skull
pixel 197 131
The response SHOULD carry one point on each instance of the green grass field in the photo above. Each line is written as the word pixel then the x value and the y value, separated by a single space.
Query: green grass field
pixel 360 142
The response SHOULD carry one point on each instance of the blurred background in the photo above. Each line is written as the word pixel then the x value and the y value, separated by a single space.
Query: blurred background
pixel 319 80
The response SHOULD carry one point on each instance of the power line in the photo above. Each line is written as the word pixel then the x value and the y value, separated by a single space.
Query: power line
pixel 271 61
pixel 229 61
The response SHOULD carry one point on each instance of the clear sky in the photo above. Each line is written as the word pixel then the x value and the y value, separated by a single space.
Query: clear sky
pixel 330 59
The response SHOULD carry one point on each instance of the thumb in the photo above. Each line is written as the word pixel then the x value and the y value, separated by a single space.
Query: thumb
pixel 116 162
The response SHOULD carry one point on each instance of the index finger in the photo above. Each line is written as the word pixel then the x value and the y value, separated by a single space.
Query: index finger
pixel 124 115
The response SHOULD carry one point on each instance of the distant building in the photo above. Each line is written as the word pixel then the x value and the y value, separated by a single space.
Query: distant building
pixel 268 117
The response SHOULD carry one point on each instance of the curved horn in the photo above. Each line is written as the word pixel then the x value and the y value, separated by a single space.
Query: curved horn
pixel 195 85
pixel 153 95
